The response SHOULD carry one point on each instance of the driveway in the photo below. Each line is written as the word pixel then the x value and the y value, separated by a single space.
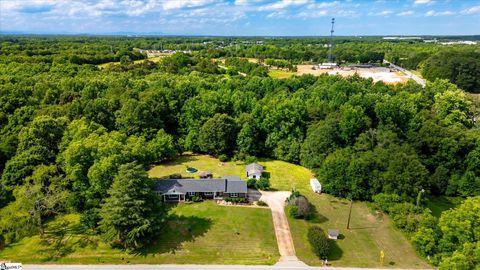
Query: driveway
pixel 276 202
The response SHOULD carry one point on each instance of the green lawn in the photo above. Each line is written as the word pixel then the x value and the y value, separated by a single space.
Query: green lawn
pixel 283 175
pixel 442 203
pixel 370 233
pixel 280 74
pixel 153 59
pixel 203 233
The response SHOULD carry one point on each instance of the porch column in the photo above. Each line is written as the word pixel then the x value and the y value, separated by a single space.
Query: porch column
pixel 214 194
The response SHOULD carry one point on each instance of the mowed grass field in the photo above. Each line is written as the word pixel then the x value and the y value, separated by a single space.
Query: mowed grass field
pixel 280 74
pixel 201 233
pixel 153 59
pixel 370 232
pixel 283 175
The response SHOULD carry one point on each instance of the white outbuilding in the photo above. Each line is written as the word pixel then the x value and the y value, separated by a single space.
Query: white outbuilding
pixel 254 171
pixel 316 186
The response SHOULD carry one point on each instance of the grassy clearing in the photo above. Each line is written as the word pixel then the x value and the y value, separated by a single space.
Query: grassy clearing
pixel 202 233
pixel 153 59
pixel 280 74
pixel 360 246
pixel 283 175
pixel 442 203
pixel 370 233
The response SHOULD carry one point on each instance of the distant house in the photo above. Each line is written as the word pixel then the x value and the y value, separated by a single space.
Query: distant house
pixel 254 170
pixel 177 190
pixel 333 233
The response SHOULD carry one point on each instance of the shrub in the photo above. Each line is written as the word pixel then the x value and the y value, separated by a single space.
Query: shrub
pixel 251 183
pixel 386 201
pixel 195 199
pixel 236 200
pixel 262 203
pixel 250 159
pixel 175 176
pixel 303 207
pixel 263 184
pixel 293 211
pixel 319 242
pixel 223 158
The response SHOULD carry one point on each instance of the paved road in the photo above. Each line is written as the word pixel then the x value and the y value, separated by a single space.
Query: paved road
pixel 412 76
pixel 184 267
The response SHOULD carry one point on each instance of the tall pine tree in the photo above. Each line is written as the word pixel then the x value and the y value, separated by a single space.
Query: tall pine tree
pixel 132 213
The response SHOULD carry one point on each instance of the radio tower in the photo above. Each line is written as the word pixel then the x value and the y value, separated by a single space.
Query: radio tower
pixel 330 58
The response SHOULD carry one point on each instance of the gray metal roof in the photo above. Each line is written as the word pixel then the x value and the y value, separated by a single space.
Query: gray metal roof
pixel 333 232
pixel 254 168
pixel 228 184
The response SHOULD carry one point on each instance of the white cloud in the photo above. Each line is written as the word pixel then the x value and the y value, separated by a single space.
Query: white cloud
pixel 283 4
pixel 472 10
pixel 381 13
pixel 248 2
pixel 323 5
pixel 312 14
pixel 179 4
pixel 406 13
pixel 431 13
pixel 423 2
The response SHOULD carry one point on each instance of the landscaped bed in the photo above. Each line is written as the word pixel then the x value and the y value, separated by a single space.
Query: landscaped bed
pixel 200 233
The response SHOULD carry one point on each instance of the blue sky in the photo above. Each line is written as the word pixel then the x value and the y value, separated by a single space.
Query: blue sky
pixel 242 17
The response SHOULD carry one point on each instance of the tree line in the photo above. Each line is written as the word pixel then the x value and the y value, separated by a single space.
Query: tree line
pixel 76 137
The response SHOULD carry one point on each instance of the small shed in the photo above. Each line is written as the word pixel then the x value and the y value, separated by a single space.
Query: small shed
pixel 254 170
pixel 333 233
pixel 204 174
pixel 316 186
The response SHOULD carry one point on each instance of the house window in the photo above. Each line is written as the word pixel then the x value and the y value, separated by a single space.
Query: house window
pixel 191 193
pixel 172 196
pixel 208 193
pixel 234 195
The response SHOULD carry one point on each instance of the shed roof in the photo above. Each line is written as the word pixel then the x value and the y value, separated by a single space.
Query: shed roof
pixel 254 168
pixel 333 232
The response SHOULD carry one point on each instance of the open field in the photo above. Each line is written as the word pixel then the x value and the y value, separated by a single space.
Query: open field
pixel 360 246
pixel 153 59
pixel 203 233
pixel 370 233
pixel 283 175
pixel 280 74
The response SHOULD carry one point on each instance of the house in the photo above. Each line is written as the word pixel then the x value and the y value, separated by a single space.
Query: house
pixel 333 233
pixel 315 185
pixel 177 190
pixel 254 170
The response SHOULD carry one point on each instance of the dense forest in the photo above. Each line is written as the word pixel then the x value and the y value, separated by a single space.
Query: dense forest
pixel 75 137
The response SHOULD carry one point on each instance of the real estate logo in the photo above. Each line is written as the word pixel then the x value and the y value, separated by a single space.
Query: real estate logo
pixel 11 266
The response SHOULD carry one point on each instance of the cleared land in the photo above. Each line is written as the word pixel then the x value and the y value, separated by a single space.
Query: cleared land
pixel 376 73
pixel 371 232
pixel 280 74
pixel 203 233
pixel 153 59
pixel 283 175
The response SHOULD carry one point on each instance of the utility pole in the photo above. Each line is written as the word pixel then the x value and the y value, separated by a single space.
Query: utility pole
pixel 330 58
pixel 349 214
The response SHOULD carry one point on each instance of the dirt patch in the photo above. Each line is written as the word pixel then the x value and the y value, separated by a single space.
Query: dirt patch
pixel 376 73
